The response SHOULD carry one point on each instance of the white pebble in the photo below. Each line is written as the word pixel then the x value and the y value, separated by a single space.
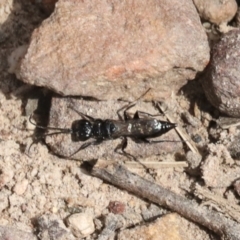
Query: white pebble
pixel 81 224
pixel 20 187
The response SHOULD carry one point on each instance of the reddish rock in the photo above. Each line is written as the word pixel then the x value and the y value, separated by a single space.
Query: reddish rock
pixel 221 82
pixel 116 207
pixel 217 11
pixel 117 49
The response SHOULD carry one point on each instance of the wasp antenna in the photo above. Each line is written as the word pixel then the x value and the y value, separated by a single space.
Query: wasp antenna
pixel 142 95
pixel 62 130
pixel 171 141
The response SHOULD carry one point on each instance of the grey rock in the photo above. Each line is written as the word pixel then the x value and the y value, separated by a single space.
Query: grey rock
pixel 221 81
pixel 15 234
pixel 51 227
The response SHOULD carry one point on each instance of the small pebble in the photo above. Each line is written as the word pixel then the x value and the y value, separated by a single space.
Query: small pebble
pixel 193 159
pixel 197 138
pixel 81 224
pixel 21 187
pixel 6 177
pixel 116 207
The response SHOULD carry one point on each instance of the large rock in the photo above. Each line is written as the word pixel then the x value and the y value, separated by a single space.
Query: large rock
pixel 117 49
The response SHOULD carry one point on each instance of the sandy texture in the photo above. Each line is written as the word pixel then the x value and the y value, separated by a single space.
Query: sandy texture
pixel 39 191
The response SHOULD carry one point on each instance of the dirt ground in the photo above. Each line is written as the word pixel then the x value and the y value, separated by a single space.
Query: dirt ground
pixel 39 190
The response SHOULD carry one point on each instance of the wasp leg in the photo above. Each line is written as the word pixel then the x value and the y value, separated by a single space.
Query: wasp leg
pixel 122 146
pixel 128 106
pixel 85 145
pixel 126 116
pixel 136 115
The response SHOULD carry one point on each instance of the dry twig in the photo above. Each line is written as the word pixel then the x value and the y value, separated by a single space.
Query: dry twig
pixel 179 129
pixel 119 176
pixel 233 210
pixel 156 165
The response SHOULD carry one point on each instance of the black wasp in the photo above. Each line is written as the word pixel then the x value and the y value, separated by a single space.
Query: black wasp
pixel 139 129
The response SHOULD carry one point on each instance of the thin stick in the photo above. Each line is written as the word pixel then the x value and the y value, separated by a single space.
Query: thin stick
pixel 180 130
pixel 119 176
pixel 232 209
pixel 156 165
